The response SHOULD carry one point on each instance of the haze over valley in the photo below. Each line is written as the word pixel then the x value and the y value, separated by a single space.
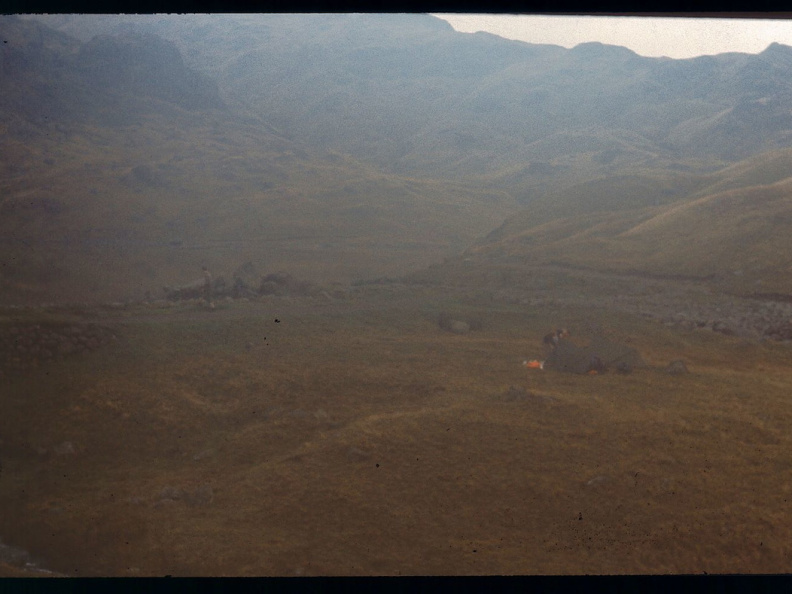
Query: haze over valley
pixel 275 277
pixel 390 139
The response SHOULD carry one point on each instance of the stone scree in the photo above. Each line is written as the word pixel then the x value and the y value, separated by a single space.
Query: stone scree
pixel 26 346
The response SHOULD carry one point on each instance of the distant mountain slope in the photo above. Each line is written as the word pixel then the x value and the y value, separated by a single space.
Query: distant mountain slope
pixel 421 139
pixel 121 171
pixel 410 94
pixel 49 77
pixel 739 238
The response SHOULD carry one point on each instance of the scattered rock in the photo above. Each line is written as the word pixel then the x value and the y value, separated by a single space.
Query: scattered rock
pixel 624 368
pixel 459 327
pixel 64 449
pixel 781 331
pixel 677 367
pixel 171 493
pixel 202 455
pixel 26 346
pixel 600 355
pixel 283 283
pixel 203 495
pixel 357 455
pixel 598 480
pixel 722 327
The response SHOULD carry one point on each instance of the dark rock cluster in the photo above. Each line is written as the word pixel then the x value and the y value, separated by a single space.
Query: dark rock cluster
pixel 677 367
pixel 283 283
pixel 600 356
pixel 454 324
pixel 782 331
pixel 279 284
pixel 24 346
pixel 733 316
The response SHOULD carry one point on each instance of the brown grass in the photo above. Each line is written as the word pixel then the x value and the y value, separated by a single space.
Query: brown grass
pixel 359 438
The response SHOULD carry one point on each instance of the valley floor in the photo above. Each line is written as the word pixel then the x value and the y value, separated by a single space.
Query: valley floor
pixel 354 436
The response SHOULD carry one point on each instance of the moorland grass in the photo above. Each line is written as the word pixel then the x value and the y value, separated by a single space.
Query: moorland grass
pixel 360 438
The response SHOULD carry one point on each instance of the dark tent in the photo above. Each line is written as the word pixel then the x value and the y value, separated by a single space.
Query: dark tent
pixel 600 355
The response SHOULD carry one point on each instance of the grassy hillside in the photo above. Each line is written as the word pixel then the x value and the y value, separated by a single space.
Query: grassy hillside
pixel 668 224
pixel 110 213
pixel 230 179
pixel 114 184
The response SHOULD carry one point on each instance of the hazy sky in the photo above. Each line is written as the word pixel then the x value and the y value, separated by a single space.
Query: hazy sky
pixel 647 36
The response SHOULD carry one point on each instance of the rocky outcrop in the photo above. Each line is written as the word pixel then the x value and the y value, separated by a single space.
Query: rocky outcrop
pixel 598 357
pixel 677 367
pixel 25 346
pixel 144 64
pixel 781 331
pixel 283 283
pixel 456 325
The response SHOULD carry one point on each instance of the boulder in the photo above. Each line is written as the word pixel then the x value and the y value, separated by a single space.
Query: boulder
pixel 203 495
pixel 283 283
pixel 357 455
pixel 623 368
pixel 64 449
pixel 676 367
pixel 598 480
pixel 599 356
pixel 172 493
pixel 459 327
pixel 779 331
pixel 455 325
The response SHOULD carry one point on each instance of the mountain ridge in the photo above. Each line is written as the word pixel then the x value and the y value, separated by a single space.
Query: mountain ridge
pixel 474 77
